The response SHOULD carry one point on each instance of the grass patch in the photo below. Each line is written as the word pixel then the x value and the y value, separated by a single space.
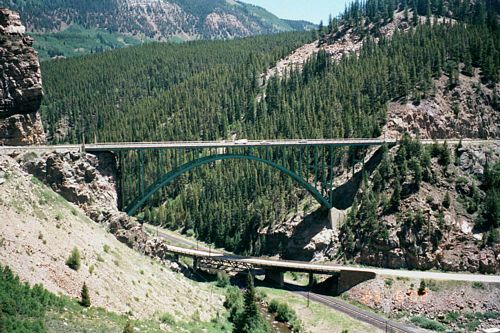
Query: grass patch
pixel 316 317
pixel 477 285
pixel 428 323
pixel 77 41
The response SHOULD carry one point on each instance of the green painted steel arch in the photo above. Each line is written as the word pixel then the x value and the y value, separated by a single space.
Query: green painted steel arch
pixel 172 175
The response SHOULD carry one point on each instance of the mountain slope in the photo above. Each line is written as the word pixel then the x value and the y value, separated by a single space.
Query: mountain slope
pixel 156 19
pixel 39 229
pixel 210 90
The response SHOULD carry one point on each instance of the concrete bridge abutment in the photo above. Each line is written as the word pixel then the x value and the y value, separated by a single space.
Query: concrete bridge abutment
pixel 275 276
pixel 343 281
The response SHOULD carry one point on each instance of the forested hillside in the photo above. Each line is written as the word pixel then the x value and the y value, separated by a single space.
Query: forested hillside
pixel 208 91
pixel 140 20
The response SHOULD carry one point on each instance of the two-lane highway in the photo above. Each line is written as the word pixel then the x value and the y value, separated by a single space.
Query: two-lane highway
pixel 120 146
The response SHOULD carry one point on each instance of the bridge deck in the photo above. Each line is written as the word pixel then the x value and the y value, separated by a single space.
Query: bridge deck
pixel 287 265
pixel 101 147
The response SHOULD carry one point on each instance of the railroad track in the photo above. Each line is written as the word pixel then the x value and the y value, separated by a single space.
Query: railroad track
pixel 384 324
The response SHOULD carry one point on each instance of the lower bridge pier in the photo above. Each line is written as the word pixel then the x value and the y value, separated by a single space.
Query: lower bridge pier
pixel 275 276
pixel 340 278
pixel 342 282
pixel 312 281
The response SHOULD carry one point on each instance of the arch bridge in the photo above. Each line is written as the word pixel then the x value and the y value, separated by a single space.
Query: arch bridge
pixel 151 167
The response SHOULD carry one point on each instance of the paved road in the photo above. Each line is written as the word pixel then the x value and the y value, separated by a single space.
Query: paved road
pixel 231 144
pixel 329 269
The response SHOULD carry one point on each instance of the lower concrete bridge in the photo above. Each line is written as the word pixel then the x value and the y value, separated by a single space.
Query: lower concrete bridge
pixel 342 277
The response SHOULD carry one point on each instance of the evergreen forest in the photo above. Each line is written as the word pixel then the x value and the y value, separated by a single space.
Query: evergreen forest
pixel 213 90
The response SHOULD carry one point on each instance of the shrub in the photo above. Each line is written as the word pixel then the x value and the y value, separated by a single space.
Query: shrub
pixel 451 317
pixel 234 303
pixel 473 325
pixel 284 313
pixel 477 285
pixel 261 295
pixel 428 324
pixel 167 318
pixel 129 328
pixel 73 260
pixel 273 306
pixel 85 301
pixel 222 280
pixel 422 289
pixel 388 282
pixel 446 201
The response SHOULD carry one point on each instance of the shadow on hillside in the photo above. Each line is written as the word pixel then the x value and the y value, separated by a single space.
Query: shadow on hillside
pixel 343 196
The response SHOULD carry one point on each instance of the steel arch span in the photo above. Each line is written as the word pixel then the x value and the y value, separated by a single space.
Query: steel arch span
pixel 172 175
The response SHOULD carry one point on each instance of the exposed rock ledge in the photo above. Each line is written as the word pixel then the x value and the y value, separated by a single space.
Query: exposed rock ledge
pixel 20 84
pixel 90 183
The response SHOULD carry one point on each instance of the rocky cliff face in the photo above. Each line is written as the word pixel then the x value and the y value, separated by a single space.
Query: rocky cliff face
pixel 89 182
pixel 468 110
pixel 20 84
pixel 446 236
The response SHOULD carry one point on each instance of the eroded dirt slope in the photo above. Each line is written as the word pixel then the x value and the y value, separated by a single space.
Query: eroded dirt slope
pixel 39 229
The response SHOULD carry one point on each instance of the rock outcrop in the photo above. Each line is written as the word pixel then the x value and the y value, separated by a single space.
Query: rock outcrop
pixel 20 84
pixel 89 182
pixel 450 242
pixel 469 110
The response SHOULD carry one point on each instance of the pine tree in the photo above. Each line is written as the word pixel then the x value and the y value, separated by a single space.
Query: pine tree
pixel 446 200
pixel 422 289
pixel 251 320
pixel 85 297
pixel 445 155
pixel 396 195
